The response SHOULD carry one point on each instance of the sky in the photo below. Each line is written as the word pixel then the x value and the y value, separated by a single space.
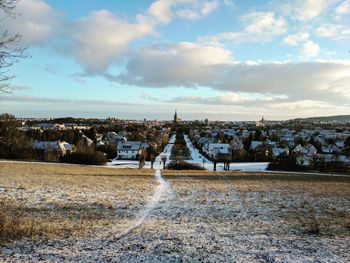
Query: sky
pixel 216 59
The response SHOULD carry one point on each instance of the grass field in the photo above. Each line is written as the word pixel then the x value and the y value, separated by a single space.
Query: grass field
pixel 79 213
pixel 65 200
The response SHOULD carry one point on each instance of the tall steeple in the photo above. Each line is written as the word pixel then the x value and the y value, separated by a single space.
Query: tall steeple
pixel 175 116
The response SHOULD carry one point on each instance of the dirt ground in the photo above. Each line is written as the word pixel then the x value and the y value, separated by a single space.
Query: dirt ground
pixel 91 214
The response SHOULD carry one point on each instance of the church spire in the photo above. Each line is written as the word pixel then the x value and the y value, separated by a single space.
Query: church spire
pixel 175 116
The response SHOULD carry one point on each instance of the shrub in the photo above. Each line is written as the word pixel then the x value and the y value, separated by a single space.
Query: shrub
pixel 309 220
pixel 92 158
pixel 184 166
pixel 13 225
pixel 285 165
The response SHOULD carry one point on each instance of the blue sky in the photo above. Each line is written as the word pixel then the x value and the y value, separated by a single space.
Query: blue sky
pixel 216 59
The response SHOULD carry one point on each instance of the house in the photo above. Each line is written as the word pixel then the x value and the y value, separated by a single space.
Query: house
pixel 255 144
pixel 278 151
pixel 215 149
pixel 308 150
pixel 330 149
pixel 113 138
pixel 129 150
pixel 57 148
pixel 305 155
pixel 43 126
pixel 340 144
pixel 236 144
pixel 288 139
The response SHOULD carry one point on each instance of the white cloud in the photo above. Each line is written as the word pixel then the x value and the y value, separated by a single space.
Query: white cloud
pixel 36 21
pixel 101 37
pixel 174 64
pixel 193 65
pixel 262 23
pixel 335 32
pixel 296 39
pixel 187 14
pixel 197 10
pixel 164 10
pixel 309 48
pixel 256 27
pixel 310 9
pixel 208 7
pixel 328 30
pixel 229 98
pixel 161 10
pixel 343 8
pixel 302 104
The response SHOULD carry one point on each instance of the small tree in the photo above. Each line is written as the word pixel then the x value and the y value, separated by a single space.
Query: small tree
pixel 151 155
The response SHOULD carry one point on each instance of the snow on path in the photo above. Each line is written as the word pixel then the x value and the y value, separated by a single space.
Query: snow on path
pixel 163 189
pixel 197 158
pixel 166 152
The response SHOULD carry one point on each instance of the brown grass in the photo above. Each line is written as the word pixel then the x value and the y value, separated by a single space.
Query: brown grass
pixel 246 175
pixel 61 201
pixel 13 225
pixel 13 168
pixel 288 204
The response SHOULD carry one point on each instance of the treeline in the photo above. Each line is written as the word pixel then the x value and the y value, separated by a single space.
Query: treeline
pixel 14 144
pixel 318 165
pixel 91 121
pixel 17 144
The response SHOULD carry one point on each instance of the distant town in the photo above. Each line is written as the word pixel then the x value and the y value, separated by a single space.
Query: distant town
pixel 314 144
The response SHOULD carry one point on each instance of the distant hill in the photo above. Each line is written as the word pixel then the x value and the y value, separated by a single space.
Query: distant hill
pixel 337 118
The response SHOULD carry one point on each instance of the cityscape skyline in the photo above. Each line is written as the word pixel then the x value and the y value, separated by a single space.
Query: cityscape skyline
pixel 215 59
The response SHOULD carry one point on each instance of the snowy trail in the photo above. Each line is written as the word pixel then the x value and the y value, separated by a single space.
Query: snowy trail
pixel 162 190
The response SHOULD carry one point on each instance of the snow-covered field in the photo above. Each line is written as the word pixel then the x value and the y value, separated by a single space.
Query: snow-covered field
pixel 126 215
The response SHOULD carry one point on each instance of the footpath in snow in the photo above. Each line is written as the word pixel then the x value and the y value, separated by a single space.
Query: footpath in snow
pixel 163 189
pixel 166 152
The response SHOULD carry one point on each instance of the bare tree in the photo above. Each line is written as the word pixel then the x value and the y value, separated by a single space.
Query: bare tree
pixel 8 6
pixel 10 50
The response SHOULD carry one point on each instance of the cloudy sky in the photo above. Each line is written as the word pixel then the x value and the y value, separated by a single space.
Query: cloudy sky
pixel 216 59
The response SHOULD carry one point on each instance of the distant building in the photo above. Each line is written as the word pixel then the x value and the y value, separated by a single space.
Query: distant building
pixel 55 148
pixel 261 123
pixel 129 150
pixel 217 149
pixel 177 120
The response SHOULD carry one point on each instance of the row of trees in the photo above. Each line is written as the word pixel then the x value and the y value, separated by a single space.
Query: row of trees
pixel 180 150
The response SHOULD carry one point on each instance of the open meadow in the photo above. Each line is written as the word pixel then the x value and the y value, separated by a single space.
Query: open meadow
pixel 55 213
